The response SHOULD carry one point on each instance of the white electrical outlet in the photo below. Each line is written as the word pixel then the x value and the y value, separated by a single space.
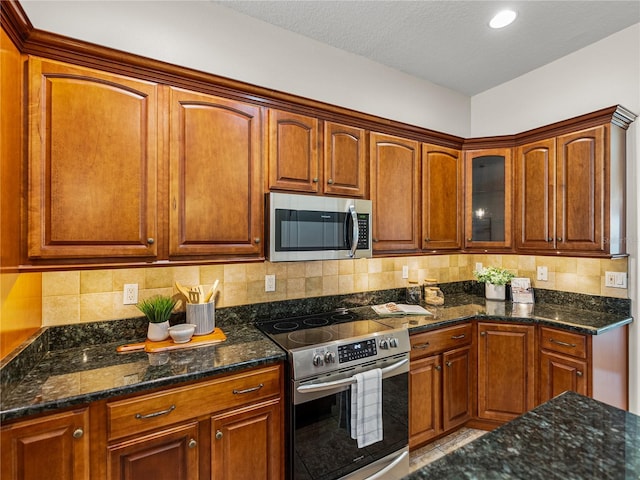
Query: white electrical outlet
pixel 478 266
pixel 615 279
pixel 269 283
pixel 405 271
pixel 130 294
pixel 543 274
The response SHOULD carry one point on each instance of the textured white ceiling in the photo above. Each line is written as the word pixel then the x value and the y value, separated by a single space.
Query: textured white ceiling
pixel 449 43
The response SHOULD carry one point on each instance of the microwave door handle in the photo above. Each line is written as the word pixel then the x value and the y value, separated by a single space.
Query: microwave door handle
pixel 318 387
pixel 355 231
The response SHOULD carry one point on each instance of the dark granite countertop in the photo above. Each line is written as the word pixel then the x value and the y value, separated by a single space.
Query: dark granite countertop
pixel 568 437
pixel 74 376
pixel 462 307
pixel 76 364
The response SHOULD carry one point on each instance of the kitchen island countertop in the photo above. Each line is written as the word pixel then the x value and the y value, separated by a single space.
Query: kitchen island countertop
pixel 568 437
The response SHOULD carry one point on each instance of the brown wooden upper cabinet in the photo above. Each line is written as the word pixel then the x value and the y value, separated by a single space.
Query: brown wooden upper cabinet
pixel 293 152
pixel 298 164
pixel 215 167
pixel 570 193
pixel 488 202
pixel 345 160
pixel 93 163
pixel 442 198
pixel 395 193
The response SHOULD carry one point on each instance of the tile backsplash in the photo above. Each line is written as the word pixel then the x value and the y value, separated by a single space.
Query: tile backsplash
pixel 70 297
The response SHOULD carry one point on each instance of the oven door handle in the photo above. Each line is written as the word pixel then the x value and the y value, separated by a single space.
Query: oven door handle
pixel 318 387
pixel 388 468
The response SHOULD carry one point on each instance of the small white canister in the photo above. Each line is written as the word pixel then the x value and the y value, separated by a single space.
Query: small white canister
pixel 203 316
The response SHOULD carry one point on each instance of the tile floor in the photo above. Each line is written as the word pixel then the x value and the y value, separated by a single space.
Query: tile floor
pixel 439 448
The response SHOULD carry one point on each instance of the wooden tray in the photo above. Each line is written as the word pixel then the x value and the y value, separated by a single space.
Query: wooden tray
pixel 196 341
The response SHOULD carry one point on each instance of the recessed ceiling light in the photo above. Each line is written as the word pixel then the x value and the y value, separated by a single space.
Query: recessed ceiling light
pixel 502 19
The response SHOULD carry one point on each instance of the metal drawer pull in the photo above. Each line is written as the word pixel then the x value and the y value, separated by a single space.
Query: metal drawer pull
pixel 421 346
pixel 139 416
pixel 318 387
pixel 78 433
pixel 564 344
pixel 248 390
pixel 457 337
pixel 382 473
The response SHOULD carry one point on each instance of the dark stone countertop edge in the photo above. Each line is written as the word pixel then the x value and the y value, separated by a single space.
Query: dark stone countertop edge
pixel 69 402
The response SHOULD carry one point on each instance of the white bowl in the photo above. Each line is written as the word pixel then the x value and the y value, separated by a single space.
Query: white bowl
pixel 182 333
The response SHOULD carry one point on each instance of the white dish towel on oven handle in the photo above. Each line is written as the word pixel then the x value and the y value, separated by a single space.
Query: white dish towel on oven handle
pixel 366 407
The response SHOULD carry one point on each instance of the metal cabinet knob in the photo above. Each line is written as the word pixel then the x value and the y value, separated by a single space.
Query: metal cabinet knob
pixel 448 364
pixel 375 239
pixel 315 180
pixel 550 239
pixel 192 443
pixel 78 433
pixel 559 239
pixel 579 373
pixel 150 241
pixel 257 239
pixel 469 239
pixel 218 435
pixel 330 181
pixel 483 333
pixel 427 239
pixel 438 367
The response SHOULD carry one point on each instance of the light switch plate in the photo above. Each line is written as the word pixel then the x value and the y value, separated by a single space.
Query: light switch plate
pixel 615 279
pixel 405 271
pixel 269 283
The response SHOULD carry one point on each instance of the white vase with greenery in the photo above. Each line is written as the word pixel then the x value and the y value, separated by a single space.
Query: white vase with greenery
pixel 495 280
pixel 158 311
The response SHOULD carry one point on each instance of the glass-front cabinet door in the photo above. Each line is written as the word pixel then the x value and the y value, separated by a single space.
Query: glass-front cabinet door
pixel 488 198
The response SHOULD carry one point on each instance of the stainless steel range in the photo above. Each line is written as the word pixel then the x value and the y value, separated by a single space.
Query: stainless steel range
pixel 326 352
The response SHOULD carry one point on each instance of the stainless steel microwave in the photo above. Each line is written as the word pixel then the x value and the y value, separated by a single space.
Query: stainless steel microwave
pixel 305 227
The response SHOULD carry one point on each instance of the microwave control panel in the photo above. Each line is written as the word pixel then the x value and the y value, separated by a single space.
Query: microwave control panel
pixel 363 227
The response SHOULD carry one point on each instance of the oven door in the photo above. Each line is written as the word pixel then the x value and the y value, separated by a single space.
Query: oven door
pixel 322 447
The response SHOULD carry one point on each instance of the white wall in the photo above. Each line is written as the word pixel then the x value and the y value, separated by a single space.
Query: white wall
pixel 598 76
pixel 214 39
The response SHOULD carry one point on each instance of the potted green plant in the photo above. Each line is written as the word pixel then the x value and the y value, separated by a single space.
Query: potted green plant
pixel 158 310
pixel 495 280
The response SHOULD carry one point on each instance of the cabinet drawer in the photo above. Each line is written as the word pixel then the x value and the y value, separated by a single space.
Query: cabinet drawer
pixel 569 343
pixel 147 412
pixel 428 343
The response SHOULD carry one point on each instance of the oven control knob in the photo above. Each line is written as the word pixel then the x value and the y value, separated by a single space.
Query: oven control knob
pixel 384 344
pixel 393 342
pixel 317 360
pixel 329 357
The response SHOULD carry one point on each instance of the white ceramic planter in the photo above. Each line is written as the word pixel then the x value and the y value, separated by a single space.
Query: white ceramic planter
pixel 158 331
pixel 494 292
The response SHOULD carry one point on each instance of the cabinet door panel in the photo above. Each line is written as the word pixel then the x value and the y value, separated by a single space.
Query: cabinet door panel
pixel 559 374
pixel 170 454
pixel 246 443
pixel 488 198
pixel 535 195
pixel 456 387
pixel 395 192
pixel 441 198
pixel 506 356
pixel 345 157
pixel 424 403
pixel 293 152
pixel 92 163
pixel 216 195
pixel 47 447
pixel 580 204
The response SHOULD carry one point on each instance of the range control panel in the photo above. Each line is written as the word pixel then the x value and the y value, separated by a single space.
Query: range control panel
pixel 357 350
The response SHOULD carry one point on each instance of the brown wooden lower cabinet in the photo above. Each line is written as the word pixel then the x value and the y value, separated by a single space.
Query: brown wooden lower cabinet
pixel 48 447
pixel 506 370
pixel 559 373
pixel 246 443
pixel 440 384
pixel 170 454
